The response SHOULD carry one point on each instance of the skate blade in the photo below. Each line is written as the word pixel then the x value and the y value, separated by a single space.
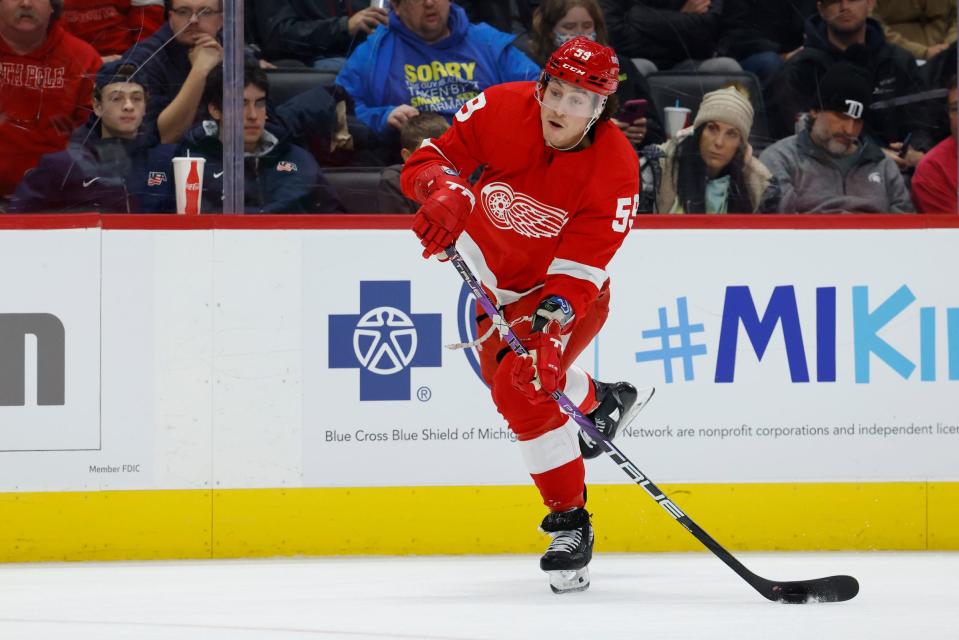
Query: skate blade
pixel 569 581
pixel 643 396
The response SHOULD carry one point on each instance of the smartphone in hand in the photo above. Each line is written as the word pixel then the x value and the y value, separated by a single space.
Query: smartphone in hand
pixel 905 145
pixel 632 111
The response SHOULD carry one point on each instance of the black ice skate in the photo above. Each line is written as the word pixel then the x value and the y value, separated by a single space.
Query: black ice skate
pixel 619 404
pixel 568 555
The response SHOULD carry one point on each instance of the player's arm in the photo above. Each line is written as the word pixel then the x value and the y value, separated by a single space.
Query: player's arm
pixel 459 149
pixel 588 243
pixel 435 177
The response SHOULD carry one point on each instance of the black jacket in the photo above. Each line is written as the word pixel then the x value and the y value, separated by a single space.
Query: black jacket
pixel 94 174
pixel 504 15
pixel 163 77
pixel 306 29
pixel 280 177
pixel 892 71
pixel 659 31
pixel 756 26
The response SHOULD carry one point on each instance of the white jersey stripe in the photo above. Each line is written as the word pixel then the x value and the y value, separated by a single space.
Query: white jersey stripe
pixel 577 385
pixel 428 142
pixel 577 388
pixel 578 270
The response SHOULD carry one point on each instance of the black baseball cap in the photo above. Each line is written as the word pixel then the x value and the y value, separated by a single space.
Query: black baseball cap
pixel 116 71
pixel 845 88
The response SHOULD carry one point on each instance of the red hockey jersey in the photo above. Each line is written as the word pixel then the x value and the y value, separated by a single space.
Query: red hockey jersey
pixel 112 26
pixel 44 96
pixel 544 219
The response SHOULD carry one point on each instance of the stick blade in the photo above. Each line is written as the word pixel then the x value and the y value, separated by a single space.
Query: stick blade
pixel 830 589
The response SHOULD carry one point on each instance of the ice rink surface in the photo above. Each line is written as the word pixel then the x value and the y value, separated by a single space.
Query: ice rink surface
pixel 637 596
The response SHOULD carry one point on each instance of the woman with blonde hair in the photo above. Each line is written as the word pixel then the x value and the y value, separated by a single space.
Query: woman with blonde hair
pixel 558 21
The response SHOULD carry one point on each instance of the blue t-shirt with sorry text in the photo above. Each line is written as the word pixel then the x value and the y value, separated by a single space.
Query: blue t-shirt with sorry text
pixel 395 67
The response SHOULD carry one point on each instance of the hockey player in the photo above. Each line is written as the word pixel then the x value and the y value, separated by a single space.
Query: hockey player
pixel 554 203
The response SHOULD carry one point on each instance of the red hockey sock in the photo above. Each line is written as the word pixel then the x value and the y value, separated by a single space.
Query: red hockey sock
pixel 562 488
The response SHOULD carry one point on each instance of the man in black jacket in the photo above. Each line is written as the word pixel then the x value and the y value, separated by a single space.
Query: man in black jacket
pixel 316 32
pixel 667 32
pixel 762 35
pixel 174 62
pixel 280 177
pixel 843 31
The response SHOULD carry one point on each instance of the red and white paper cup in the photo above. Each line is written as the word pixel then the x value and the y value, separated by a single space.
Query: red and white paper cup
pixel 188 180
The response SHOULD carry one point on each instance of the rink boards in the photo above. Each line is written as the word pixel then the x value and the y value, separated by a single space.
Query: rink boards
pixel 176 388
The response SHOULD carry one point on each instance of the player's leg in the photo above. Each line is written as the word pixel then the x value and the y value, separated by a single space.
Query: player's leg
pixel 549 443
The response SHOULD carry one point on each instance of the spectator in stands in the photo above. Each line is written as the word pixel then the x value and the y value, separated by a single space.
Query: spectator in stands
pixel 934 183
pixel 924 28
pixel 936 74
pixel 319 33
pixel 709 168
pixel 829 166
pixel 430 58
pixel 508 16
pixel 843 31
pixel 558 21
pixel 105 168
pixel 763 35
pixel 174 64
pixel 412 134
pixel 280 176
pixel 671 34
pixel 112 26
pixel 46 84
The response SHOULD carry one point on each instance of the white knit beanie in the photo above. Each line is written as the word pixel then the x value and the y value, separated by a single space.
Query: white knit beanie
pixel 728 105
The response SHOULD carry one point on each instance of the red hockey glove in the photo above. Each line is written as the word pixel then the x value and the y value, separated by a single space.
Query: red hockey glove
pixel 538 376
pixel 447 202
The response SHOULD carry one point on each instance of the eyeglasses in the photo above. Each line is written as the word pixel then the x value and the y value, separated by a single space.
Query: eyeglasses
pixel 185 13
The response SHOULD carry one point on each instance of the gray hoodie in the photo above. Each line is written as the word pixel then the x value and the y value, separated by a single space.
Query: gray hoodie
pixel 811 181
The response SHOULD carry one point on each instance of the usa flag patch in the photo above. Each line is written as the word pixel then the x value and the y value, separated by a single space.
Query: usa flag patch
pixel 288 167
pixel 156 178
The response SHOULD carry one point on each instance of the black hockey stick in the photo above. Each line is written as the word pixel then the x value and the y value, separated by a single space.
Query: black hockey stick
pixel 829 589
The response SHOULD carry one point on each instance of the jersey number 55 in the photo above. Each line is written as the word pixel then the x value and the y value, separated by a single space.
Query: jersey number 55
pixel 626 209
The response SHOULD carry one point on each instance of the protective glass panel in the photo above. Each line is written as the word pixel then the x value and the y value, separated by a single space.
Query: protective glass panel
pixel 840 102
pixel 97 98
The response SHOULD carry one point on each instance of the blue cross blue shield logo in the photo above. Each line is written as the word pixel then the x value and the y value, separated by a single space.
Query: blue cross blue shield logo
pixel 385 340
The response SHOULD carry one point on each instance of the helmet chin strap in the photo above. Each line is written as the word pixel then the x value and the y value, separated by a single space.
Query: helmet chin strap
pixel 589 125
